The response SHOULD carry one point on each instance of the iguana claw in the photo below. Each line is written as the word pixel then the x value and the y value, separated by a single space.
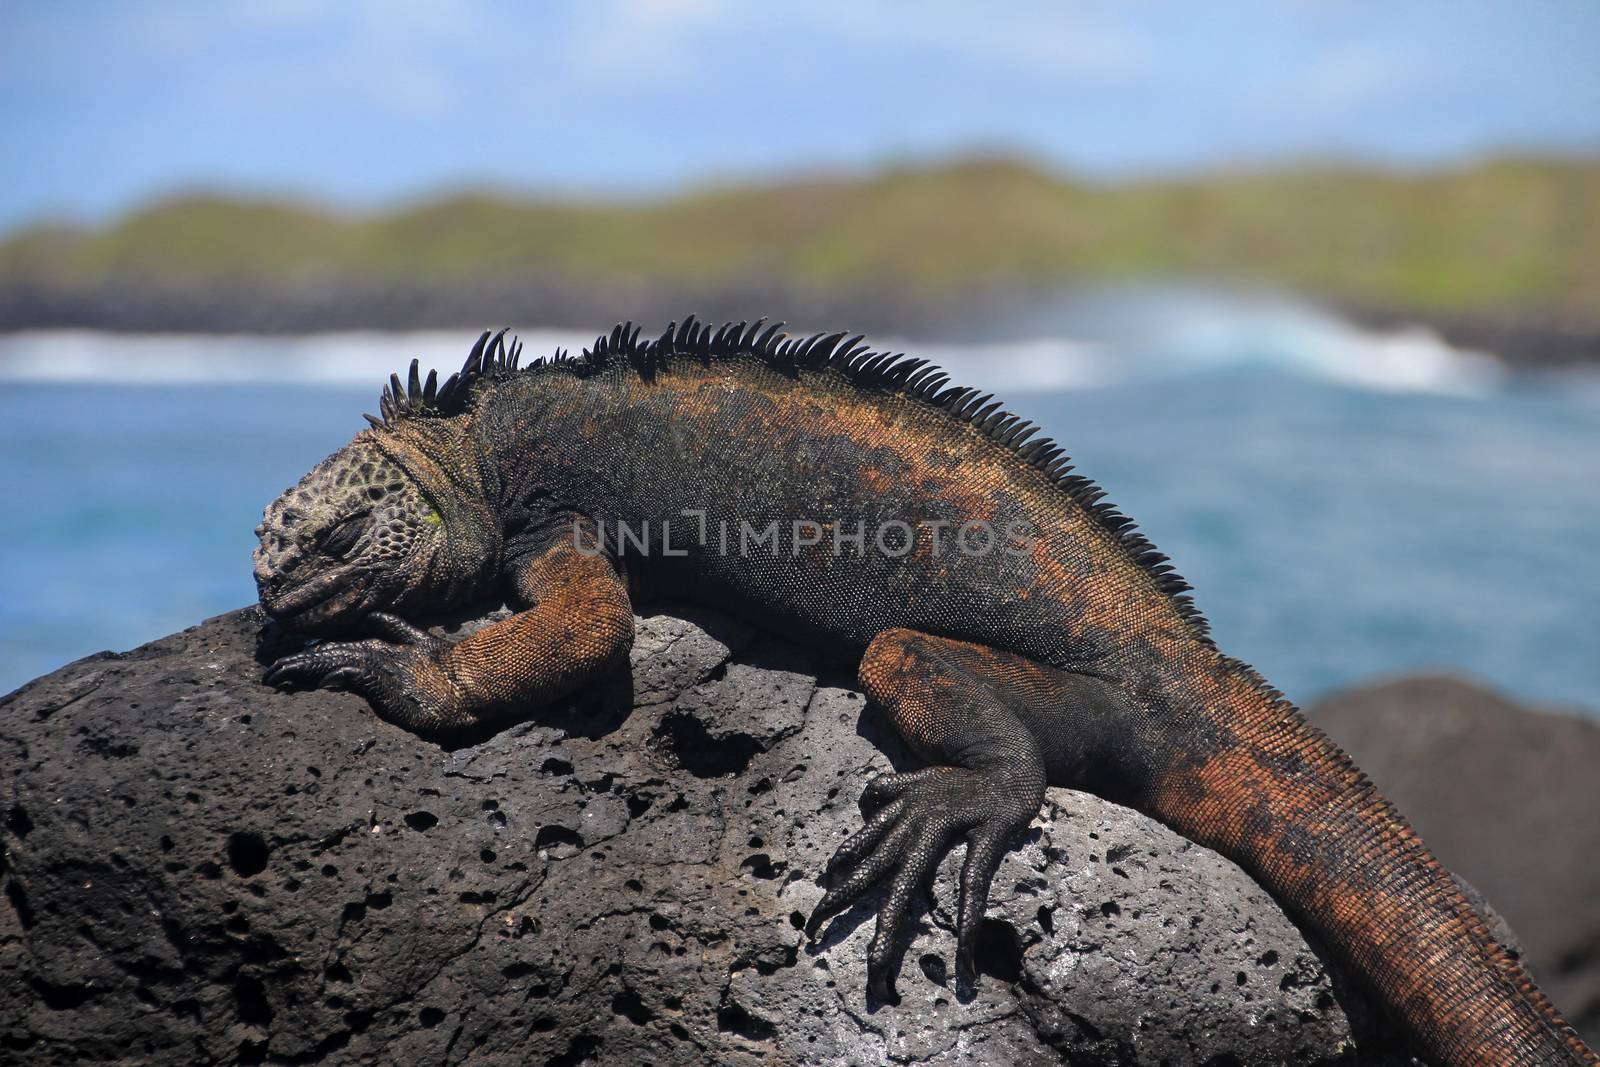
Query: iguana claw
pixel 913 819
pixel 387 672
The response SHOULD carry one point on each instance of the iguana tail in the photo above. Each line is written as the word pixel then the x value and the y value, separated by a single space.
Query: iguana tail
pixel 1262 786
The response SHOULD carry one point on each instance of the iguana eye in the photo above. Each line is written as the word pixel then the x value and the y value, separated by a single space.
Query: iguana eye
pixel 343 536
pixel 431 516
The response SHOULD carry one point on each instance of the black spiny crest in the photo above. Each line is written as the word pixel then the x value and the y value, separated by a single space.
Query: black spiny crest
pixel 490 358
pixel 846 354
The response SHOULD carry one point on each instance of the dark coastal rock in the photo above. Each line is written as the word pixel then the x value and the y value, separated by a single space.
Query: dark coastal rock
pixel 146 305
pixel 200 869
pixel 1529 338
pixel 1509 798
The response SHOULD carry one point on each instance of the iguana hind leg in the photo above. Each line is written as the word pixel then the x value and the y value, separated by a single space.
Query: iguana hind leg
pixel 995 726
pixel 579 624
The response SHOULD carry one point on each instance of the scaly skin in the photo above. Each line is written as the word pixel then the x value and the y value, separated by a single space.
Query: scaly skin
pixel 1064 654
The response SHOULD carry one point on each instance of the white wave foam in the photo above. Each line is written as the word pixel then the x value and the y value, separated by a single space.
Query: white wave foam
pixel 319 360
pixel 367 359
pixel 1042 365
pixel 1126 336
pixel 1154 332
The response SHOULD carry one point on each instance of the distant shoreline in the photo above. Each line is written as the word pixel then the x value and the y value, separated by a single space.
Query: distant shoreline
pixel 966 250
pixel 132 307
pixel 1522 340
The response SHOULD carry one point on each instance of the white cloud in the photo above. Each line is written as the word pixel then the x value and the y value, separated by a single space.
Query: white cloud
pixel 633 42
pixel 402 55
pixel 1057 41
pixel 639 42
pixel 1359 75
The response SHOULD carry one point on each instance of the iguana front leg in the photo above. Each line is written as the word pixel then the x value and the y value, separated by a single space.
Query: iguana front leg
pixel 995 726
pixel 578 625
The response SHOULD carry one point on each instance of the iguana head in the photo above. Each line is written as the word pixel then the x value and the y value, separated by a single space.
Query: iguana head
pixel 356 535
pixel 397 520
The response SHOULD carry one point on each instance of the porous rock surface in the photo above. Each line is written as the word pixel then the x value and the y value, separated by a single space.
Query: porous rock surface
pixel 199 869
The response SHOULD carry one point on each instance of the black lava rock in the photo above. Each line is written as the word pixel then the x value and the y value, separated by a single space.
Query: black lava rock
pixel 197 868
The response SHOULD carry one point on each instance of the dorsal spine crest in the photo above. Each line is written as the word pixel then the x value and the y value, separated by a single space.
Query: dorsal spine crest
pixel 491 359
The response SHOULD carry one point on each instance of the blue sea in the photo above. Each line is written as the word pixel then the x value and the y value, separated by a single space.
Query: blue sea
pixel 1347 504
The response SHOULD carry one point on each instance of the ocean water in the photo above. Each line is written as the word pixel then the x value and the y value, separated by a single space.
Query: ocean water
pixel 1347 505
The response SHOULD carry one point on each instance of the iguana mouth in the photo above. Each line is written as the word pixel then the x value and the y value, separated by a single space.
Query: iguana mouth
pixel 329 602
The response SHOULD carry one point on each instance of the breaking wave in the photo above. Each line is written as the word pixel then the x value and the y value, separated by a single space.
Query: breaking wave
pixel 1142 333
pixel 1091 340
pixel 354 359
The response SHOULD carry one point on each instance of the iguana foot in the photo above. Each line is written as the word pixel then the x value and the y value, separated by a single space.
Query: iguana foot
pixel 913 819
pixel 401 673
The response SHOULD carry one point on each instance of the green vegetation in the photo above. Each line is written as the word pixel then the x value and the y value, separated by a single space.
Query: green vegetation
pixel 1502 235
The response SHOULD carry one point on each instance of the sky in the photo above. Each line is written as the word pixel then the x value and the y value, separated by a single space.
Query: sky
pixel 107 106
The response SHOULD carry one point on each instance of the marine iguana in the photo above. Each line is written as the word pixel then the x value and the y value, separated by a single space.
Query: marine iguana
pixel 823 489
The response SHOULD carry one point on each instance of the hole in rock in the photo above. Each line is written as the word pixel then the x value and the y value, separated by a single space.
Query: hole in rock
pixel 250 996
pixel 19 903
pixel 761 866
pixel 732 1019
pixel 247 853
pixel 701 754
pixel 61 997
pixel 998 952
pixel 629 1005
pixel 582 1049
pixel 552 834
pixel 18 821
